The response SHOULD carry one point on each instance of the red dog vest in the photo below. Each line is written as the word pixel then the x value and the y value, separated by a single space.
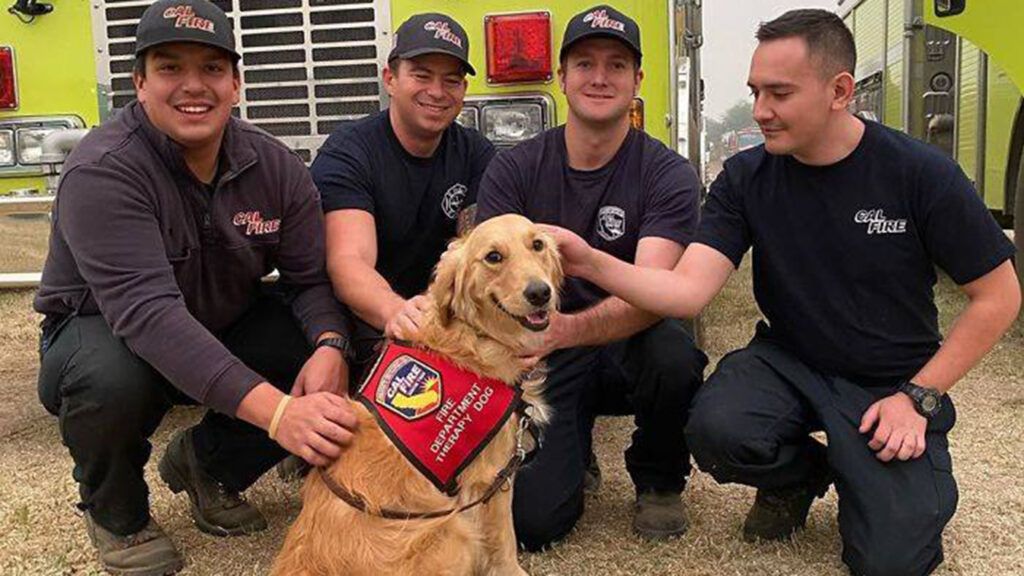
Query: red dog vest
pixel 437 414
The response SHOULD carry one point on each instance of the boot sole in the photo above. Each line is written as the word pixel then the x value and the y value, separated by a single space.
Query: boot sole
pixel 660 535
pixel 754 537
pixel 169 568
pixel 175 480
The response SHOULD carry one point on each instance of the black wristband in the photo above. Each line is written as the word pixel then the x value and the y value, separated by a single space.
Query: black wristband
pixel 338 343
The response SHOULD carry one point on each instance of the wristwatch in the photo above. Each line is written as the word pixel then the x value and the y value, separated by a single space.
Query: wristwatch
pixel 338 343
pixel 927 401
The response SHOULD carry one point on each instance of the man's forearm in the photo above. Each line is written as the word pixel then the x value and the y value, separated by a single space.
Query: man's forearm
pixel 361 288
pixel 258 406
pixel 982 323
pixel 610 320
pixel 664 293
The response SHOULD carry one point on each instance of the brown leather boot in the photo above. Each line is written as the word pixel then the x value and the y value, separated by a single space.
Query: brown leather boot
pixel 779 512
pixel 215 509
pixel 148 552
pixel 660 515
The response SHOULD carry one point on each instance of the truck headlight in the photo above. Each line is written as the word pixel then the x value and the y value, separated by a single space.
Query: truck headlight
pixel 6 148
pixel 30 144
pixel 512 123
pixel 469 117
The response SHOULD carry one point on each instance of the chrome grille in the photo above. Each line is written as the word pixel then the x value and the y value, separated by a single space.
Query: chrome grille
pixel 307 65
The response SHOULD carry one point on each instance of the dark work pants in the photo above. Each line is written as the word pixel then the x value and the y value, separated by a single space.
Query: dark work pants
pixel 750 425
pixel 109 402
pixel 652 375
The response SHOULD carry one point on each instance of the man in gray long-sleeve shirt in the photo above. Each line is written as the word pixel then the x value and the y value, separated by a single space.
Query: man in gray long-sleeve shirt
pixel 166 220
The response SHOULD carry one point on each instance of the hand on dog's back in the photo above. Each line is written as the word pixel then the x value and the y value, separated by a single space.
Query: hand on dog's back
pixel 316 427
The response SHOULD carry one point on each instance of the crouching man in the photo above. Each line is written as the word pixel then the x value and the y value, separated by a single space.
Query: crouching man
pixel 166 220
pixel 847 221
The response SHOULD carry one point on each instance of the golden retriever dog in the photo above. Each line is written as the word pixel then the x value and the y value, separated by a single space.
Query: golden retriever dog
pixel 489 302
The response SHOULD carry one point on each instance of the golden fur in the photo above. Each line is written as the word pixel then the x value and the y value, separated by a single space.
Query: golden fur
pixel 465 324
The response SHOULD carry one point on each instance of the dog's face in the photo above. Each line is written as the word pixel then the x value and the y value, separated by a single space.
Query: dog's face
pixel 502 278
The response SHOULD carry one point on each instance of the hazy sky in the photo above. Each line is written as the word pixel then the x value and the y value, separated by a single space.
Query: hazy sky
pixel 729 27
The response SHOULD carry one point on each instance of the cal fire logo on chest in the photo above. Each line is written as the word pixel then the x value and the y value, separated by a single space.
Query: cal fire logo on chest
pixel 438 415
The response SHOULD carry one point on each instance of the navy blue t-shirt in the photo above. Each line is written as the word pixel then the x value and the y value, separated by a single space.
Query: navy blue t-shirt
pixel 644 190
pixel 844 255
pixel 414 201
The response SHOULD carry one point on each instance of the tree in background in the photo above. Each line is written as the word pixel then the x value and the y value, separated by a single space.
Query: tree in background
pixel 740 115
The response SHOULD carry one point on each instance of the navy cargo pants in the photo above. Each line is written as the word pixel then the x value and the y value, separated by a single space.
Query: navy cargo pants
pixel 750 424
pixel 652 375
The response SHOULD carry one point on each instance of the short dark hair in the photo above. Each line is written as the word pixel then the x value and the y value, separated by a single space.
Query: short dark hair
pixel 827 38
pixel 139 65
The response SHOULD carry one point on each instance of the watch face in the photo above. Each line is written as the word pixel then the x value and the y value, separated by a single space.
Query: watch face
pixel 929 403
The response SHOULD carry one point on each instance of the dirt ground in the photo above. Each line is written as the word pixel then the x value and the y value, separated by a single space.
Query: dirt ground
pixel 42 533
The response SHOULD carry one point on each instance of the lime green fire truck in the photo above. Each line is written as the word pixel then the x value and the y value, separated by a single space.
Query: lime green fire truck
pixel 951 73
pixel 311 65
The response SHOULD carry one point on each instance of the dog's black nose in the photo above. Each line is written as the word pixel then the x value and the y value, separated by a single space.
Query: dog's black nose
pixel 537 293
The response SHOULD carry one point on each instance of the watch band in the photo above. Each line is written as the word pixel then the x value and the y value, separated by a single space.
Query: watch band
pixel 927 401
pixel 339 343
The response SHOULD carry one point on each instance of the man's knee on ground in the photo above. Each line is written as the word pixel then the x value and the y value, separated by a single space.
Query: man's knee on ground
pixel 904 537
pixel 891 561
pixel 537 532
pixel 538 526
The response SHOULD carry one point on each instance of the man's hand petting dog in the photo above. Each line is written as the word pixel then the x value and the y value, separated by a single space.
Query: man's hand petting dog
pixel 577 256
pixel 405 322
pixel 316 426
pixel 899 431
pixel 559 335
pixel 324 371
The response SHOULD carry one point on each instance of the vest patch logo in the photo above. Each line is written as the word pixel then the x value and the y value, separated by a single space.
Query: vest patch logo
pixel 453 199
pixel 185 17
pixel 877 223
pixel 254 223
pixel 409 388
pixel 601 19
pixel 611 222
pixel 442 30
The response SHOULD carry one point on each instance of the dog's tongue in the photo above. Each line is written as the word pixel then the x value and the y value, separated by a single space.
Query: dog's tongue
pixel 539 317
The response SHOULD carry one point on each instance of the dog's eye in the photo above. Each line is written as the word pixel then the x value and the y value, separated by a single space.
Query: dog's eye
pixel 538 245
pixel 494 257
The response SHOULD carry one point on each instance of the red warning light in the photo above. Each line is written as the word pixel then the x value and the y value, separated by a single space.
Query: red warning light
pixel 518 47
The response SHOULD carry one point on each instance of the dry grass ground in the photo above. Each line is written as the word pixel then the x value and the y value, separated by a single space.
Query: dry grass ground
pixel 26 238
pixel 42 533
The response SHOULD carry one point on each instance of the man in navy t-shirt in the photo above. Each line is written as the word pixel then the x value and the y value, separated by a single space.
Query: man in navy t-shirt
pixel 847 220
pixel 395 185
pixel 628 194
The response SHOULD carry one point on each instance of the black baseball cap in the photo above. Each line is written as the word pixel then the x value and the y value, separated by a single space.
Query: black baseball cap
pixel 198 21
pixel 602 21
pixel 432 33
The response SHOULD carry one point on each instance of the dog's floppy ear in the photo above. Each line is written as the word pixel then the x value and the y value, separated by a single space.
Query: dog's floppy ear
pixel 555 259
pixel 443 287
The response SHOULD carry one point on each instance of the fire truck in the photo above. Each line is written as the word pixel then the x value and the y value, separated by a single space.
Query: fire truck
pixel 310 65
pixel 735 141
pixel 951 73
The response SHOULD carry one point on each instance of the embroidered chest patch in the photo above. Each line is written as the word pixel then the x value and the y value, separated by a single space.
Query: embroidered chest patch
pixel 439 416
